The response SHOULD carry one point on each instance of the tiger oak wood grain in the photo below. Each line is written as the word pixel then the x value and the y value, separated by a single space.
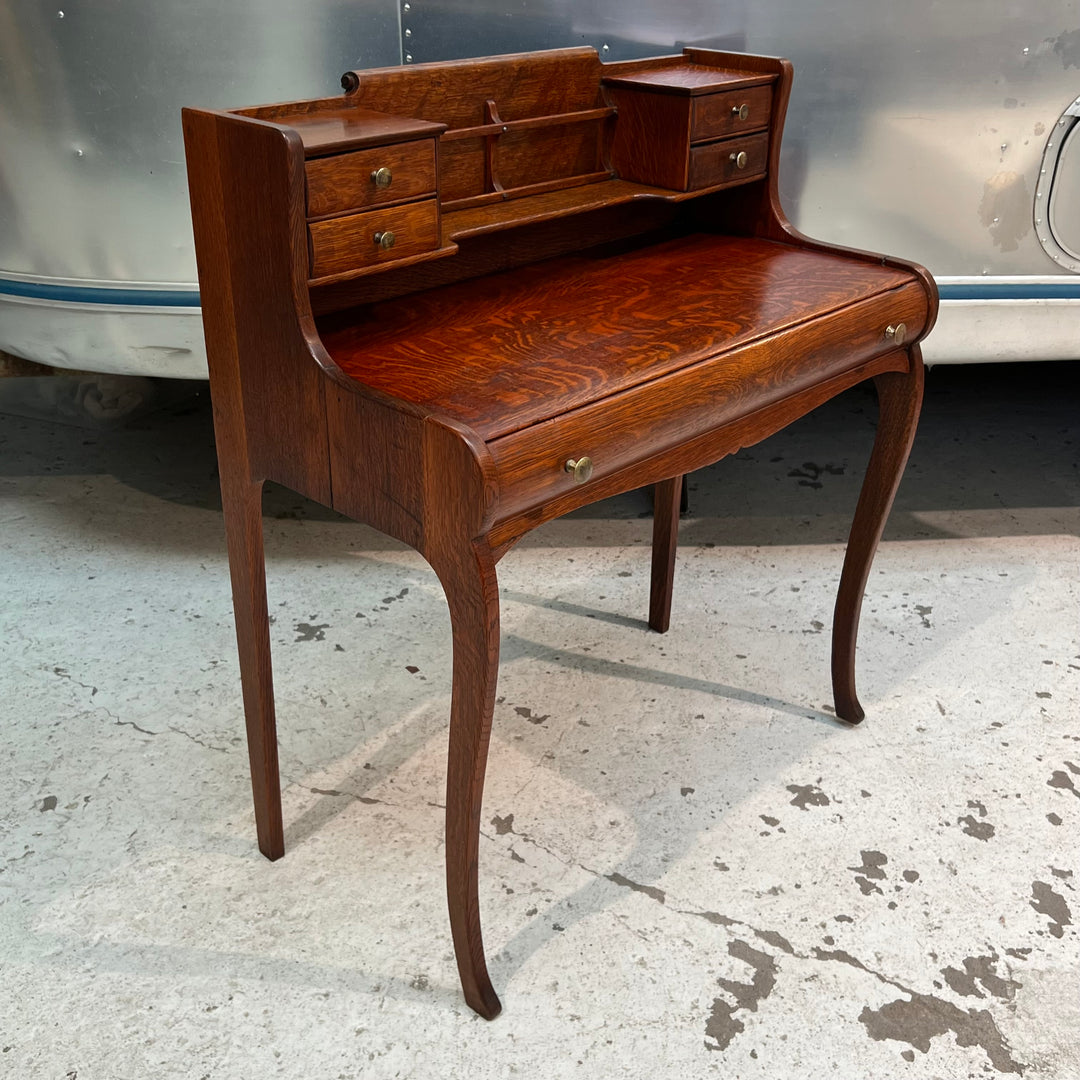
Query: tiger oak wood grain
pixel 622 428
pixel 655 320
pixel 552 337
pixel 694 453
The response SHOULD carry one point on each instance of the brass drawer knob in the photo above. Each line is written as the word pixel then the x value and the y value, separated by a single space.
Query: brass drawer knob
pixel 739 159
pixel 382 178
pixel 897 333
pixel 740 112
pixel 385 240
pixel 580 470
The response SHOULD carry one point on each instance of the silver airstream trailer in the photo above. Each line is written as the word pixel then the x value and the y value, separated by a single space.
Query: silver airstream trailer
pixel 945 132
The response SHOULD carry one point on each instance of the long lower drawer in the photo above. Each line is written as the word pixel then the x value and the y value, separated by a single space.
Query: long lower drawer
pixel 637 423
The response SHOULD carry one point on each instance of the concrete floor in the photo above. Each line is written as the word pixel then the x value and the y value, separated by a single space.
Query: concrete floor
pixel 689 868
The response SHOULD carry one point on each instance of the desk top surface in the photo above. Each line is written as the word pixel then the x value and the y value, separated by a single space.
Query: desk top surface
pixel 506 351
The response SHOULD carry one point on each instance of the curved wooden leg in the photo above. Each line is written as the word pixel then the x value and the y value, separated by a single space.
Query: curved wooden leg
pixel 242 503
pixel 667 500
pixel 899 400
pixel 472 593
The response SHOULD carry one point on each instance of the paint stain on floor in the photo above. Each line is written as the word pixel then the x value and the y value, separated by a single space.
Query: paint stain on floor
pixel 981 971
pixel 923 1017
pixel 723 1025
pixel 807 795
pixel 975 826
pixel 871 870
pixel 1051 904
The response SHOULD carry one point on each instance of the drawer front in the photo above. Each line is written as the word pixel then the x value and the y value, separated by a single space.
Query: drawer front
pixel 349 181
pixel 715 116
pixel 632 426
pixel 730 160
pixel 350 243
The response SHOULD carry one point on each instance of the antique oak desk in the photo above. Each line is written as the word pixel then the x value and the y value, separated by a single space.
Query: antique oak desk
pixel 465 298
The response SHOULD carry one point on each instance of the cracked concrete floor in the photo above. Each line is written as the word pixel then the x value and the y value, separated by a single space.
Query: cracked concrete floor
pixel 688 867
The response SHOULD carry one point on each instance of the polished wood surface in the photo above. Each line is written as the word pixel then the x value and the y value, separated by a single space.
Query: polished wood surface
pixel 623 429
pixel 335 130
pixel 546 339
pixel 680 79
pixel 583 265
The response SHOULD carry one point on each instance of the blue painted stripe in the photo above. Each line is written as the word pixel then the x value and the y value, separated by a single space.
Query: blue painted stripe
pixel 87 294
pixel 1008 290
pixel 83 294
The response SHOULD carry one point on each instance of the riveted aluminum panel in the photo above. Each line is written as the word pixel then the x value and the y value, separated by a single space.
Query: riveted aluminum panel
pixel 93 187
pixel 917 129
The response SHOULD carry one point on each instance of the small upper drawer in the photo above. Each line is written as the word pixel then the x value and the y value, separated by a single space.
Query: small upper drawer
pixel 728 161
pixel 715 115
pixel 365 178
pixel 378 236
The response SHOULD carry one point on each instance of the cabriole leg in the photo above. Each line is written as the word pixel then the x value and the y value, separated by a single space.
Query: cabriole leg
pixel 242 503
pixel 899 400
pixel 472 593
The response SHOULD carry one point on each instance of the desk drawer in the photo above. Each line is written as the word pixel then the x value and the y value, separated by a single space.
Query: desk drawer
pixel 632 426
pixel 728 160
pixel 350 243
pixel 354 182
pixel 714 116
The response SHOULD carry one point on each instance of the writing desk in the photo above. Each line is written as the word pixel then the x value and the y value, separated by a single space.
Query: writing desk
pixel 465 298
